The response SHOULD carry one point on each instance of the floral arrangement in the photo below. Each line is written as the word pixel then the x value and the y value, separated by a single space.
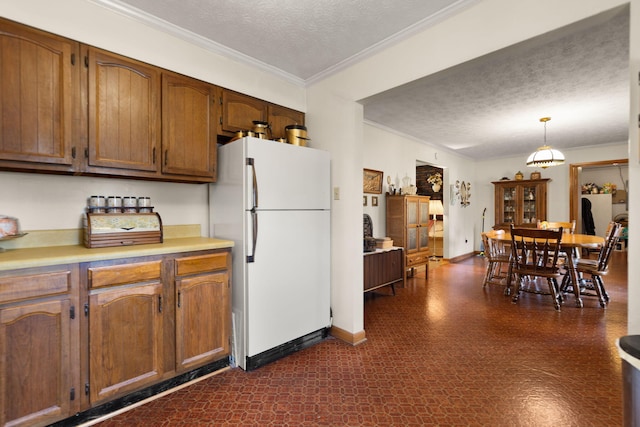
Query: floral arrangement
pixel 435 179
pixel 609 188
pixel 590 188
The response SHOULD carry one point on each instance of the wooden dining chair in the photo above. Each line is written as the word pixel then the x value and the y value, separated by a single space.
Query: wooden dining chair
pixel 596 268
pixel 568 227
pixel 587 250
pixel 498 257
pixel 535 255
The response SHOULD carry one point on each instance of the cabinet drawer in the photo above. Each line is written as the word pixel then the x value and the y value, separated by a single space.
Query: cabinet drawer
pixel 201 264
pixel 123 274
pixel 417 259
pixel 16 288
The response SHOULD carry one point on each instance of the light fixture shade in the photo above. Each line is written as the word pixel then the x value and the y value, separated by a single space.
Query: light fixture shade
pixel 544 157
pixel 435 207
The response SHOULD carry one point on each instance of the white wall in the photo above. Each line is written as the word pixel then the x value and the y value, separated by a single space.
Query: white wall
pixel 52 202
pixel 396 155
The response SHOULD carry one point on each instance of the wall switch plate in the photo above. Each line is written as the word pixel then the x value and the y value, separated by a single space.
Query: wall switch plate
pixel 336 193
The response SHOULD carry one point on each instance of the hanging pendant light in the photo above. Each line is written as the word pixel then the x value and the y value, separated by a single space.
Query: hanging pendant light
pixel 545 156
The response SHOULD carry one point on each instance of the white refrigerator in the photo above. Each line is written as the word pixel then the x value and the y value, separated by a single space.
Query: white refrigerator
pixel 273 200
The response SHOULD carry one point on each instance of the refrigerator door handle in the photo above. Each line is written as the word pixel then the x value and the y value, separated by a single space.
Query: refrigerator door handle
pixel 254 188
pixel 254 224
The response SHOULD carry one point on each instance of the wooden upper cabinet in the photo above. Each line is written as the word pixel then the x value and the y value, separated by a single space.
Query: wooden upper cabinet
pixel 39 95
pixel 239 112
pixel 124 112
pixel 189 112
pixel 280 117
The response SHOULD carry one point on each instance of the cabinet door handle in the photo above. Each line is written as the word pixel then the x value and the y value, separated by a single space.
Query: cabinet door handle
pixel 154 155
pixel 159 303
pixel 166 154
pixel 178 299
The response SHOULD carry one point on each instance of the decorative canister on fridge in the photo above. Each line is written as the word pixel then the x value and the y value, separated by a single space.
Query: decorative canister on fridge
pixel 296 135
pixel 261 129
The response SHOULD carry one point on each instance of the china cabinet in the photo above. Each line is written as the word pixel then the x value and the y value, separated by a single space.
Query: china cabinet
pixel 521 202
pixel 408 227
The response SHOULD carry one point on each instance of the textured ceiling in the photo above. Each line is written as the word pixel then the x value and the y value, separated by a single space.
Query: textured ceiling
pixel 491 106
pixel 303 38
pixel 488 107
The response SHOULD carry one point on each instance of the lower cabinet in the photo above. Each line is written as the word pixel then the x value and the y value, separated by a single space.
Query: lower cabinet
pixel 125 340
pixel 152 318
pixel 199 338
pixel 203 310
pixel 77 336
pixel 39 356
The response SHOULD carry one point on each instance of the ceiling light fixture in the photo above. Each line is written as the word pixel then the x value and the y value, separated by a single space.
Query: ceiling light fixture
pixel 545 156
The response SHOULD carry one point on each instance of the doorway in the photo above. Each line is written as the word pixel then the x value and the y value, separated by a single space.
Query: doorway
pixel 575 187
pixel 430 182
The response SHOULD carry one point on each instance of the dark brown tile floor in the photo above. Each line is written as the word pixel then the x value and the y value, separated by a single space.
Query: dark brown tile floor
pixel 442 353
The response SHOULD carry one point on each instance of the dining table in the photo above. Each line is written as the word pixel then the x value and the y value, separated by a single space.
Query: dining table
pixel 569 244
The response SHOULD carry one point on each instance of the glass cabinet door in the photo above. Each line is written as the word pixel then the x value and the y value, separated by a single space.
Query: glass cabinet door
pixel 529 210
pixel 412 239
pixel 424 237
pixel 412 212
pixel 424 212
pixel 509 204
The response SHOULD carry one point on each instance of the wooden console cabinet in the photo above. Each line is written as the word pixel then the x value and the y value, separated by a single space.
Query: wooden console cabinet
pixel 383 268
pixel 408 226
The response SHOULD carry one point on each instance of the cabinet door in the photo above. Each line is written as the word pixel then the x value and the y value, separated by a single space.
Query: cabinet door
pixel 239 111
pixel 188 127
pixel 39 82
pixel 423 223
pixel 202 319
pixel 124 112
pixel 35 363
pixel 125 339
pixel 412 224
pixel 530 211
pixel 280 117
pixel 506 205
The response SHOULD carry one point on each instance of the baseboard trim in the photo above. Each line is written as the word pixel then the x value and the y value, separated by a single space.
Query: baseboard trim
pixel 463 257
pixel 348 337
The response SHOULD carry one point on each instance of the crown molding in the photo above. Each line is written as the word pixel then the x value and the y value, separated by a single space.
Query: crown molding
pixel 193 38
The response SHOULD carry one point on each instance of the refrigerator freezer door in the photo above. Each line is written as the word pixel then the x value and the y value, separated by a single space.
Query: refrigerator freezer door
pixel 288 291
pixel 287 176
